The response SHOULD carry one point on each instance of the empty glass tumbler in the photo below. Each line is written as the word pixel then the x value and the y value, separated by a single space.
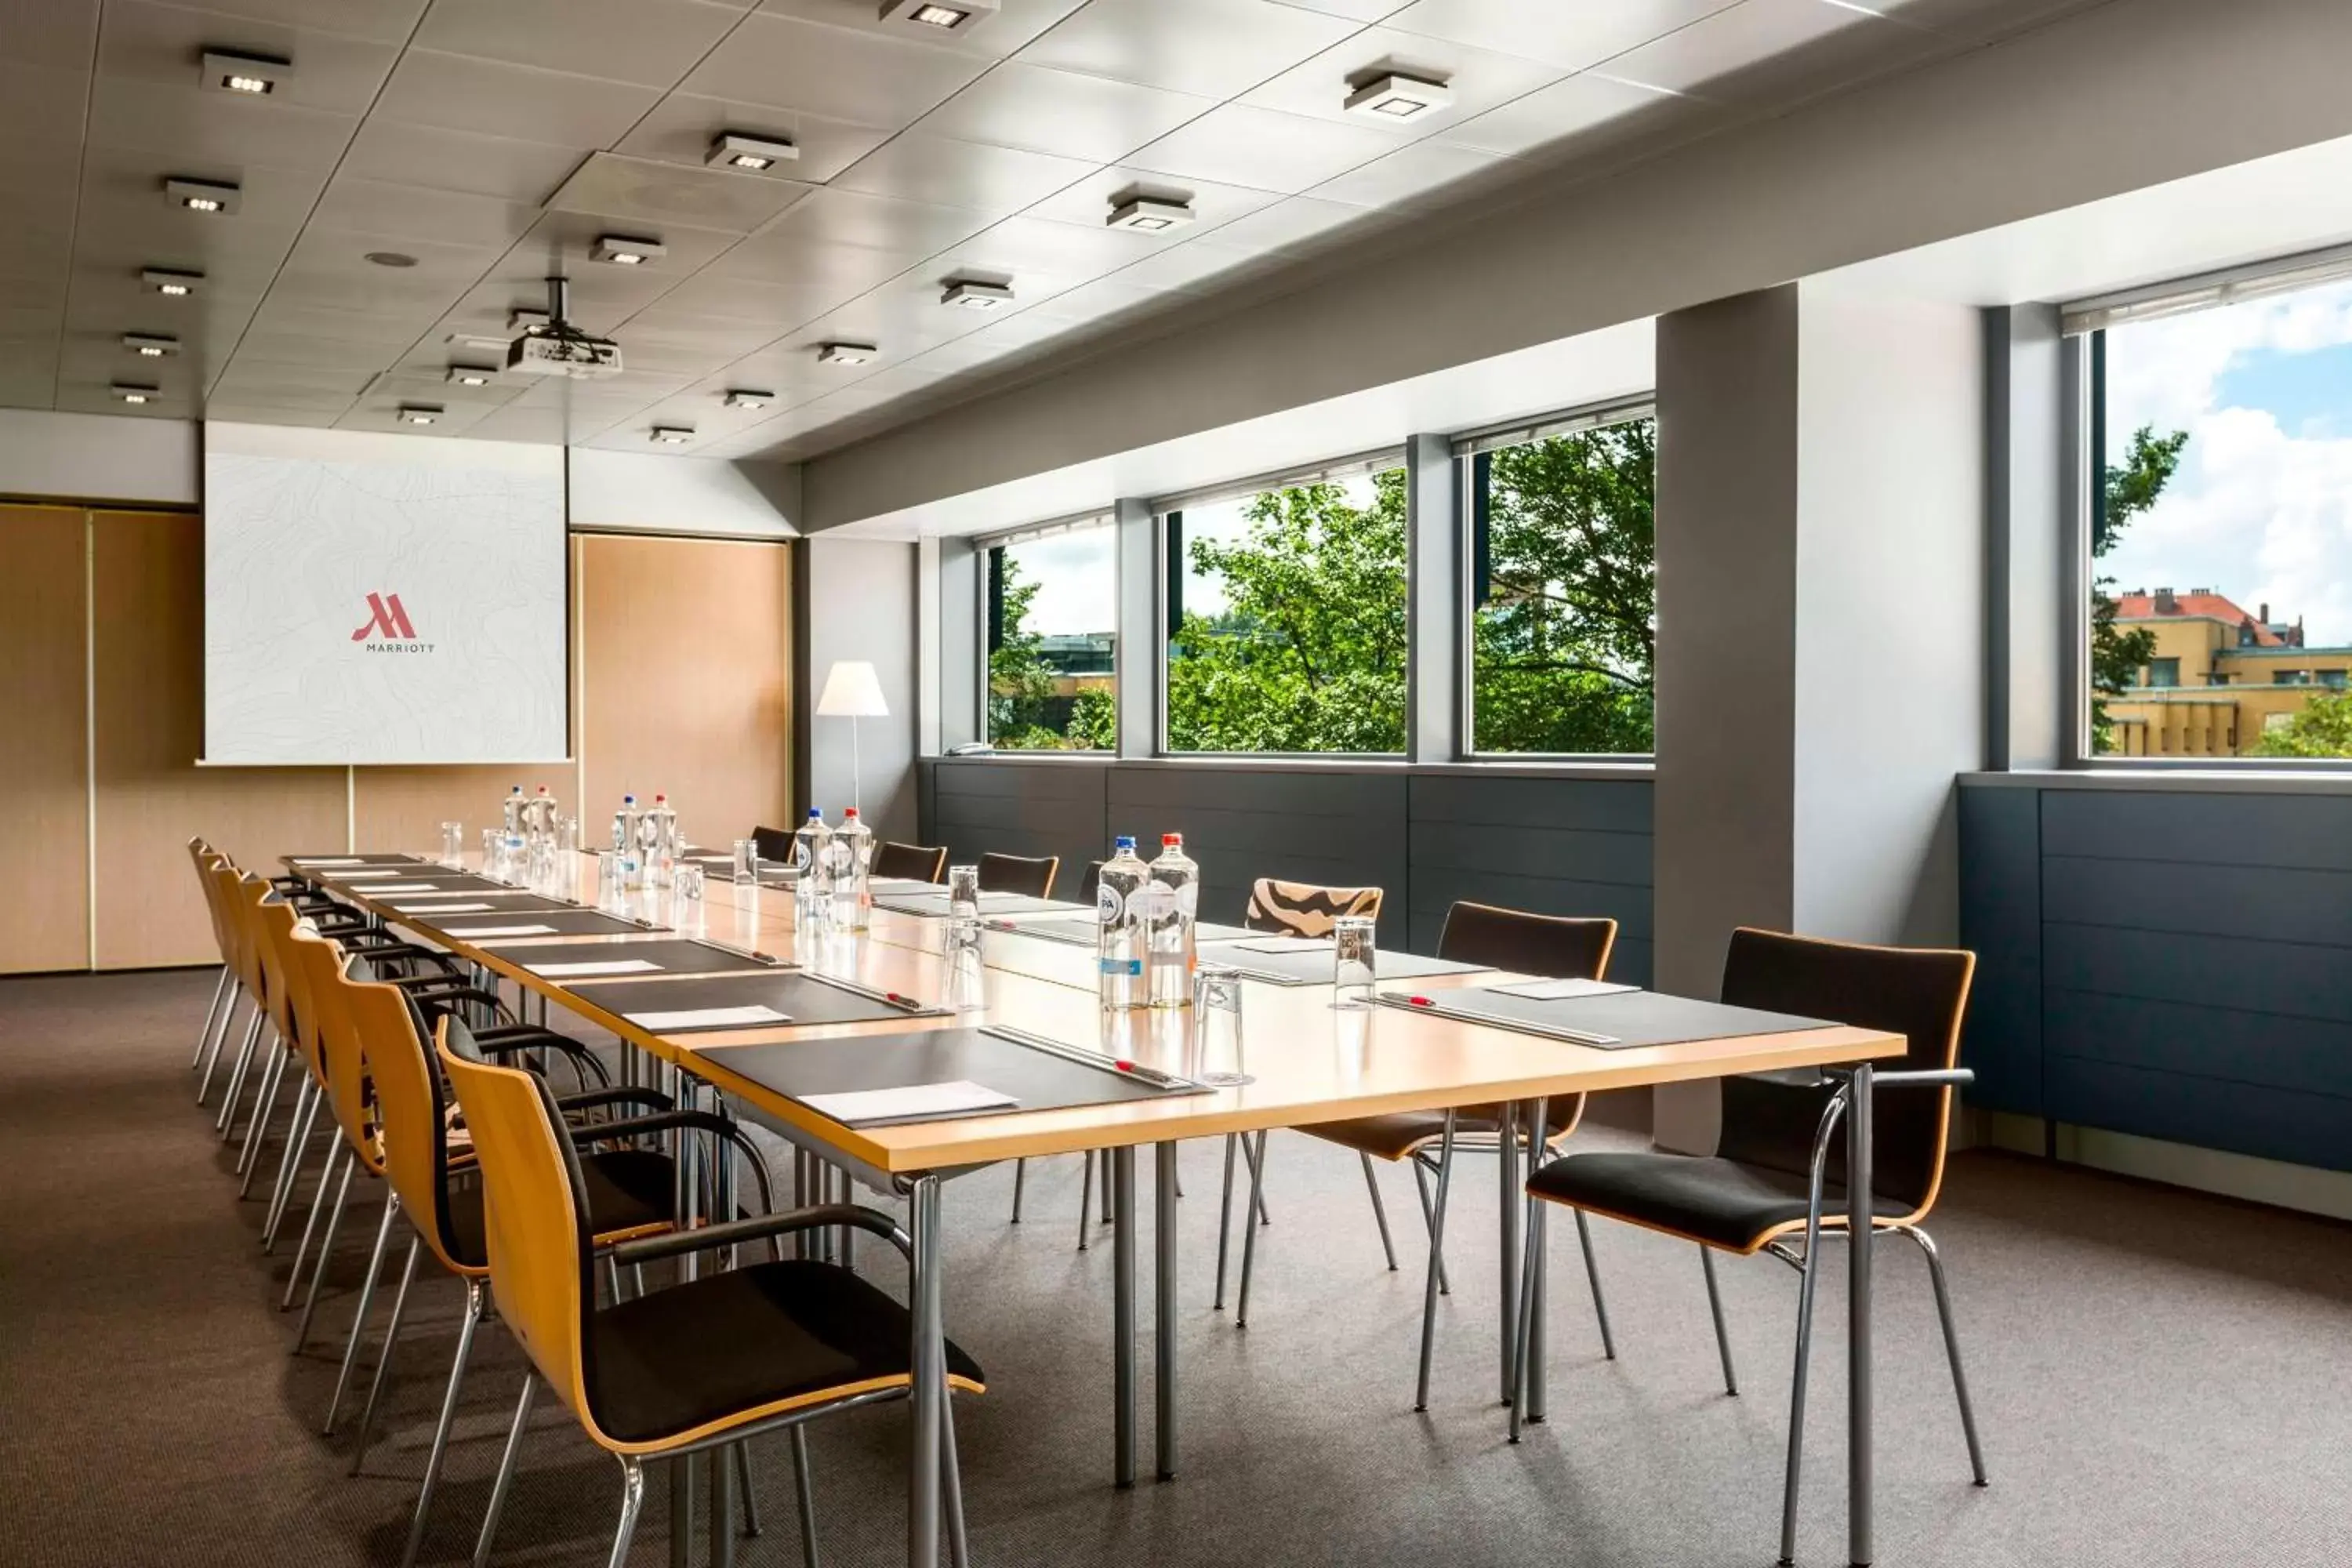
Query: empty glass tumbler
pixel 963 991
pixel 610 893
pixel 1217 1056
pixel 453 844
pixel 964 892
pixel 747 860
pixel 1354 960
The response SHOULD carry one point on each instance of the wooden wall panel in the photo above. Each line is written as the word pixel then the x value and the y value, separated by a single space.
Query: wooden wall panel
pixel 686 671
pixel 148 704
pixel 402 808
pixel 43 635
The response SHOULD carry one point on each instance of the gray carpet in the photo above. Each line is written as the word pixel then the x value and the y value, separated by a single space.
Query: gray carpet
pixel 2162 1378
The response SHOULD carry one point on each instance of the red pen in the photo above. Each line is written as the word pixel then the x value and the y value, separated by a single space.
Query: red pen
pixel 1420 1001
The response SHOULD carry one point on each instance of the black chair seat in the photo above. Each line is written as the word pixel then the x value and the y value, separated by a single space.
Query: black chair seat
pixel 681 1358
pixel 628 1189
pixel 1720 1202
pixel 1408 1132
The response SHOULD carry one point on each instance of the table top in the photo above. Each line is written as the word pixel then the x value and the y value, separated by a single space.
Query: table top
pixel 1311 1061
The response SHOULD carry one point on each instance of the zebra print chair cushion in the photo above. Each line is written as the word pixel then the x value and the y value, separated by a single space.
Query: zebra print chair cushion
pixel 1301 909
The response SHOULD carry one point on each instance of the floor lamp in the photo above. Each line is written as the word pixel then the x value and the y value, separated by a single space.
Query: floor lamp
pixel 853 692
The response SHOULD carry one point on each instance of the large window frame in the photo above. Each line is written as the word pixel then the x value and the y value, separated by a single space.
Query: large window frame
pixel 985 628
pixel 2083 395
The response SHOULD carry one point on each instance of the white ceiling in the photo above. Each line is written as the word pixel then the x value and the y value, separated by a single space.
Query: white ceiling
pixel 493 140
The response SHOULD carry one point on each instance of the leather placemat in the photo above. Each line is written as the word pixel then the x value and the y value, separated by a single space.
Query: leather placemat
pixel 1627 1020
pixel 673 955
pixel 801 997
pixel 1315 968
pixel 1081 932
pixel 567 923
pixel 1038 1079
pixel 934 906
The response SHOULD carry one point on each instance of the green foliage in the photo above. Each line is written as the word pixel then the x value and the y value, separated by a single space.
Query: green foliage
pixel 2322 729
pixel 1024 709
pixel 2126 490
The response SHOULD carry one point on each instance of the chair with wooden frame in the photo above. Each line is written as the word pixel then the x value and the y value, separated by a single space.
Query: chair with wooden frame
pixel 698 1365
pixel 1031 876
pixel 1778 1176
pixel 772 844
pixel 910 862
pixel 225 988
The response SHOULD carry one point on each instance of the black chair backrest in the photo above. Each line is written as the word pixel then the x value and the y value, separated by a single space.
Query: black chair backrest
pixel 1558 947
pixel 1921 994
pixel 774 844
pixel 1090 885
pixel 1019 874
pixel 914 862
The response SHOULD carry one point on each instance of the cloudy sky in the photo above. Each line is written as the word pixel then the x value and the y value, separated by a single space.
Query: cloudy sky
pixel 2262 508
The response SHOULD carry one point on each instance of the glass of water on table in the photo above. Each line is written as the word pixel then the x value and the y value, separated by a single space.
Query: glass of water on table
pixel 1217 1026
pixel 1355 961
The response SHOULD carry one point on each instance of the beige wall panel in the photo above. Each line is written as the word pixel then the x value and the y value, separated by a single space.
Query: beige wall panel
pixel 150 728
pixel 42 660
pixel 402 808
pixel 687 681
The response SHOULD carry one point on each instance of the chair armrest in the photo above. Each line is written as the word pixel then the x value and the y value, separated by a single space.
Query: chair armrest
pixel 457 990
pixel 590 1100
pixel 735 1233
pixel 521 1038
pixel 1929 1078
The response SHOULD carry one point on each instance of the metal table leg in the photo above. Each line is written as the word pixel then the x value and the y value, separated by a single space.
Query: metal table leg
pixel 1506 1164
pixel 1122 1206
pixel 928 1358
pixel 685 1189
pixel 1163 1237
pixel 1860 1548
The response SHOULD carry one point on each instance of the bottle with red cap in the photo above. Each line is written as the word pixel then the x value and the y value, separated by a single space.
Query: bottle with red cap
pixel 850 853
pixel 1172 898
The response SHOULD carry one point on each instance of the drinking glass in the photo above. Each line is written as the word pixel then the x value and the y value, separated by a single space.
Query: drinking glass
pixel 453 844
pixel 1217 1026
pixel 568 835
pixel 747 861
pixel 609 891
pixel 1354 962
pixel 490 840
pixel 963 991
pixel 964 892
pixel 686 880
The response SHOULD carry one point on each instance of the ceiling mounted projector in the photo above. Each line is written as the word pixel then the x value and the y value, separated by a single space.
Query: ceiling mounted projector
pixel 556 347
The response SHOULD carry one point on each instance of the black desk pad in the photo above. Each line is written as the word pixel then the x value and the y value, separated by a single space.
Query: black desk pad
pixel 1037 1079
pixel 801 997
pixel 1315 968
pixel 508 903
pixel 676 955
pixel 567 923
pixel 934 906
pixel 1629 1019
pixel 452 882
pixel 350 862
pixel 901 887
pixel 410 871
pixel 1081 932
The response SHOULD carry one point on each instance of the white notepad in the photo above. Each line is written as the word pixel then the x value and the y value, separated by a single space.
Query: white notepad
pixel 499 931
pixel 315 860
pixel 709 1019
pixel 1560 990
pixel 604 966
pixel 443 909
pixel 915 1102
pixel 390 885
pixel 1287 944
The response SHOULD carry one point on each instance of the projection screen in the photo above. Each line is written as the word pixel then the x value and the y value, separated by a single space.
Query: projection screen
pixel 374 598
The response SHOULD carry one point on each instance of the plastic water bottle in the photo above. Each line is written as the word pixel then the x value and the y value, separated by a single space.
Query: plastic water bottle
pixel 1119 936
pixel 539 816
pixel 850 852
pixel 624 841
pixel 657 835
pixel 812 897
pixel 511 839
pixel 1172 900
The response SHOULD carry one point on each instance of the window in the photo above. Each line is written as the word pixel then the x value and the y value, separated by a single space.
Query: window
pixel 1286 615
pixel 2218 440
pixel 1053 670
pixel 1563 588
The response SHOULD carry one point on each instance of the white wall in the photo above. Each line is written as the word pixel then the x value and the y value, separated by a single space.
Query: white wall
pixel 98 457
pixel 861 603
pixel 643 492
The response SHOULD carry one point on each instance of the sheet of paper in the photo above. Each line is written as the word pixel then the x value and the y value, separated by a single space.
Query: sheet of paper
pixel 915 1102
pixel 1560 990
pixel 497 930
pixel 1286 944
pixel 443 909
pixel 317 860
pixel 389 885
pixel 709 1018
pixel 603 966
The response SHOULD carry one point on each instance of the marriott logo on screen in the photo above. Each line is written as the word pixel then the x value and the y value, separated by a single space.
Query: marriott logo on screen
pixel 388 628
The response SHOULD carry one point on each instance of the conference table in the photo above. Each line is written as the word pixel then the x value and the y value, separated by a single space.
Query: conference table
pixel 1308 1061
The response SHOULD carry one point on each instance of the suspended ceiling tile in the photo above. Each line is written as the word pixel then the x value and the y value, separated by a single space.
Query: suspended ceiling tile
pixel 1477 81
pixel 650 191
pixel 1215 48
pixel 231 412
pixel 1092 200
pixel 42 110
pixel 649 42
pixel 1690 58
pixel 458 92
pixel 867 78
pixel 1067 113
pixel 664 325
pixel 386 21
pixel 1575 107
pixel 1423 172
pixel 388 334
pixel 1356 10
pixel 380 411
pixel 1294 224
pixel 385 210
pixel 126 186
pixel 1026 245
pixel 681 128
pixel 834 216
pixel 1202 263
pixel 35 257
pixel 79 396
pixel 163 46
pixel 189 124
pixel 1015 24
pixel 1264 148
pixel 516 421
pixel 997 181
pixel 561 242
pixel 53 34
pixel 443 159
pixel 1099 300
pixel 1569 33
pixel 772 305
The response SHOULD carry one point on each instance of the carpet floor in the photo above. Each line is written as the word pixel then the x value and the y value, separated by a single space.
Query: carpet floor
pixel 2161 1378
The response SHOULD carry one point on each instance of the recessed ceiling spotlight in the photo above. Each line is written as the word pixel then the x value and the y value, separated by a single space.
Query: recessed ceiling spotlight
pixel 972 294
pixel 202 195
pixel 1394 97
pixel 470 375
pixel 752 154
pixel 742 397
pixel 1147 214
pixel 254 75
pixel 151 345
pixel 391 258
pixel 622 250
pixel 933 18
pixel 419 413
pixel 845 353
pixel 171 284
pixel 134 392
pixel 672 435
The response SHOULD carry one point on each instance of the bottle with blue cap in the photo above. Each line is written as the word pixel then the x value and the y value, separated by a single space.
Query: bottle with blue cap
pixel 812 892
pixel 1121 948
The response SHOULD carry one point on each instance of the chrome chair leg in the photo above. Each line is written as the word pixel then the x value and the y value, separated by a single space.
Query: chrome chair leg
pixel 1951 1348
pixel 951 1474
pixel 326 1247
pixel 290 1164
pixel 204 1033
pixel 384 1359
pixel 1808 1277
pixel 1429 1289
pixel 804 1488
pixel 1429 1223
pixel 359 1319
pixel 742 1452
pixel 474 1296
pixel 506 1479
pixel 1714 1305
pixel 632 1497
pixel 227 1113
pixel 1020 1181
pixel 1086 1201
pixel 1225 1224
pixel 1600 1303
pixel 219 1045
pixel 1256 1159
pixel 257 1131
pixel 336 1153
pixel 1379 1212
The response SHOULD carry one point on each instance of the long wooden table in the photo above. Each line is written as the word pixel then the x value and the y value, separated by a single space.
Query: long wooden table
pixel 1311 1063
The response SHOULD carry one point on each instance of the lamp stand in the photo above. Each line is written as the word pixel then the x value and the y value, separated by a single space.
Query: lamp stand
pixel 857 773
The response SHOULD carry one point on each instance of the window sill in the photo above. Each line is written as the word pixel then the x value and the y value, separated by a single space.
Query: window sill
pixel 1633 771
pixel 2162 778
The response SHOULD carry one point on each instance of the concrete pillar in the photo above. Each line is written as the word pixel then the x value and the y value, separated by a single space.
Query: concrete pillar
pixel 1137 623
pixel 858 600
pixel 1434 645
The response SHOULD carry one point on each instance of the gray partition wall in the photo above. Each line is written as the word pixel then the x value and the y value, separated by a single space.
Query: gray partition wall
pixel 1554 842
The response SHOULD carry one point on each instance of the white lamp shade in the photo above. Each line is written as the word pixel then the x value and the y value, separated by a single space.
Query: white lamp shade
pixel 852 692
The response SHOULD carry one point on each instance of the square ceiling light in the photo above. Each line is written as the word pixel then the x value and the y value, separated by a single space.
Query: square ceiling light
pixel 1147 214
pixel 936 18
pixel 419 413
pixel 749 153
pixel 135 392
pixel 151 345
pixel 471 374
pixel 203 195
pixel 845 353
pixel 622 250
pixel 973 294
pixel 247 76
pixel 172 285
pixel 1394 97
pixel 744 397
pixel 672 435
